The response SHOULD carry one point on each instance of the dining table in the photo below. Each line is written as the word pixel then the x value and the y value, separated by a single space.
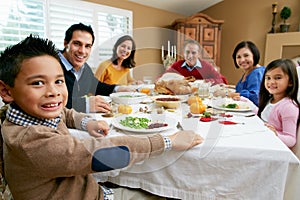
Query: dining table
pixel 240 160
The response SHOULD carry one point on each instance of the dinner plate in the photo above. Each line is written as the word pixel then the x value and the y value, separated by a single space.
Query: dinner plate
pixel 167 120
pixel 232 109
pixel 219 103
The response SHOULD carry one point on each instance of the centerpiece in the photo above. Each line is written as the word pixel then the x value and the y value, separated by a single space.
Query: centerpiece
pixel 285 13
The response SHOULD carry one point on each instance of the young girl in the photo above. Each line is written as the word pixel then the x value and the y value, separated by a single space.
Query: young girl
pixel 278 104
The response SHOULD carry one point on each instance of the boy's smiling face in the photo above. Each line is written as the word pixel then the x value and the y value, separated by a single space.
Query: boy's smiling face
pixel 40 88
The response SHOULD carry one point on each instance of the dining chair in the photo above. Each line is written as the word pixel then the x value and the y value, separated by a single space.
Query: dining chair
pixel 298 73
pixel 296 148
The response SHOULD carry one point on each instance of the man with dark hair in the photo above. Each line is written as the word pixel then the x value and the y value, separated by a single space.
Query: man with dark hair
pixel 84 89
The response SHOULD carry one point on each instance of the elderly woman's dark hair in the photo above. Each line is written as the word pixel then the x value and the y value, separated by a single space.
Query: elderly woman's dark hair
pixel 128 62
pixel 253 49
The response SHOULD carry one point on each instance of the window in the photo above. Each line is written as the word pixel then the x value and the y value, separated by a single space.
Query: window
pixel 19 18
pixel 51 18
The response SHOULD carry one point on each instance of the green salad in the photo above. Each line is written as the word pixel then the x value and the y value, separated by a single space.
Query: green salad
pixel 135 122
pixel 231 105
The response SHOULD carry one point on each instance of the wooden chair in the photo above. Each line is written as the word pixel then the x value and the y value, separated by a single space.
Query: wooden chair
pixel 4 189
pixel 296 148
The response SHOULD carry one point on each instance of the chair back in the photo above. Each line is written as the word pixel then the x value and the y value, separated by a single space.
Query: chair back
pixel 296 148
pixel 298 73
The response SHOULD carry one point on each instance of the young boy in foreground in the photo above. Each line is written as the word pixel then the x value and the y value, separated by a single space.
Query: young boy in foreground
pixel 41 159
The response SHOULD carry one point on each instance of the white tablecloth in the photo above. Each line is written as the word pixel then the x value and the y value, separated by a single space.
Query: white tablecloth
pixel 243 161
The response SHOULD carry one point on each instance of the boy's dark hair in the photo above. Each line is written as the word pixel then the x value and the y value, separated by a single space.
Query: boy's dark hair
pixel 288 67
pixel 128 62
pixel 12 57
pixel 80 27
pixel 253 49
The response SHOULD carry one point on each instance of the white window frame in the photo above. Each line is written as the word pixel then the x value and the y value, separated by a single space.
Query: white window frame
pixel 95 58
pixel 93 8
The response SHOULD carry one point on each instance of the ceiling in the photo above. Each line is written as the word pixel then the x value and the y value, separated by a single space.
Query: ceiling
pixel 184 7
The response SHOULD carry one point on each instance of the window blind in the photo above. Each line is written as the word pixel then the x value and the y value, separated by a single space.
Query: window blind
pixel 51 18
pixel 18 19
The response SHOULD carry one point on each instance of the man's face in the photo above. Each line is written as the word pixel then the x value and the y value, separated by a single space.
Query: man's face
pixel 191 54
pixel 78 50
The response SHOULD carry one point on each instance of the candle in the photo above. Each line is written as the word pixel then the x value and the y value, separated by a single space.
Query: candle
pixel 172 50
pixel 175 52
pixel 162 51
pixel 168 48
pixel 274 7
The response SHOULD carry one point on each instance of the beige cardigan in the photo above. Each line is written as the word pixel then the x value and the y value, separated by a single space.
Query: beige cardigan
pixel 45 163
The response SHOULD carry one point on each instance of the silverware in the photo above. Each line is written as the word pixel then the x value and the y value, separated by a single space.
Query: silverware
pixel 179 126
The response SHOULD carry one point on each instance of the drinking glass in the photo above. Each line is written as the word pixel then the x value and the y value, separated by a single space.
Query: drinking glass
pixel 147 80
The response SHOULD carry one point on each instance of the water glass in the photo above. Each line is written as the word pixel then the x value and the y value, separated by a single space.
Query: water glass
pixel 147 80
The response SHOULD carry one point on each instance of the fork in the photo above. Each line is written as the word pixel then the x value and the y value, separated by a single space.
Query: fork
pixel 179 126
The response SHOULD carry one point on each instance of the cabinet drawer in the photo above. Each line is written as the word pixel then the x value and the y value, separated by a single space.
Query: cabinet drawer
pixel 208 34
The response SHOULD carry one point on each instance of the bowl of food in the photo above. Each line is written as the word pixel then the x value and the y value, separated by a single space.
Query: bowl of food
pixel 171 102
pixel 128 97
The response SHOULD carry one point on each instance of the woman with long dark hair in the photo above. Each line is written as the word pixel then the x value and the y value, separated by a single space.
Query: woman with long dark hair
pixel 116 70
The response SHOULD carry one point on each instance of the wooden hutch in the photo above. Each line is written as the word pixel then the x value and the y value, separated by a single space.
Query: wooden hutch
pixel 205 30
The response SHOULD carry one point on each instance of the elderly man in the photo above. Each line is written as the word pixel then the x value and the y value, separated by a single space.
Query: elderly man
pixel 193 66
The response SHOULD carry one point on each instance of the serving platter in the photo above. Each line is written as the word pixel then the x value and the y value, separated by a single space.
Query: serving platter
pixel 116 122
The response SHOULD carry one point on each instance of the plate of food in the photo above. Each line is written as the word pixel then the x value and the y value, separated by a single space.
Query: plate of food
pixel 128 97
pixel 167 101
pixel 143 123
pixel 235 106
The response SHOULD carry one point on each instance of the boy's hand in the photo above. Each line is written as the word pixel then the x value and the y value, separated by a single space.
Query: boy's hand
pixel 183 140
pixel 97 128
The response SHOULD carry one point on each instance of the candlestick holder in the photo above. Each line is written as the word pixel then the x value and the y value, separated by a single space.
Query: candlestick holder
pixel 273 24
pixel 274 12
pixel 168 61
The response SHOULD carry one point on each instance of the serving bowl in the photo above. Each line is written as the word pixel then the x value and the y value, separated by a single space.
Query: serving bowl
pixel 128 97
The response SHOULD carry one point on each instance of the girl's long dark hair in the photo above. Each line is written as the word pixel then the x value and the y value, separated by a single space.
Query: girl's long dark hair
pixel 128 62
pixel 289 68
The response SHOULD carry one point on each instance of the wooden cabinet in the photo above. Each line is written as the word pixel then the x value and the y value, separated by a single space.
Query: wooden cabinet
pixel 205 30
